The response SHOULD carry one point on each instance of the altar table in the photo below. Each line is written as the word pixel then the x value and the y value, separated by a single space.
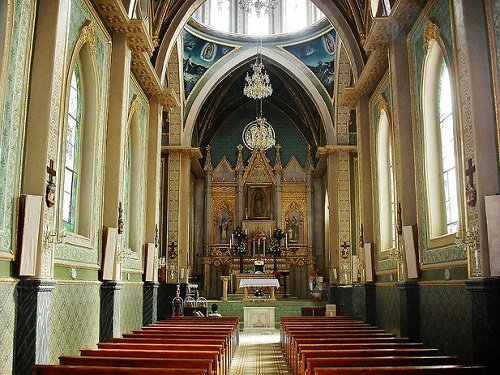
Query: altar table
pixel 259 283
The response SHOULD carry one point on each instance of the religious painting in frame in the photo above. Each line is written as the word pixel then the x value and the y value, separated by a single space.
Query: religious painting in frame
pixel 259 202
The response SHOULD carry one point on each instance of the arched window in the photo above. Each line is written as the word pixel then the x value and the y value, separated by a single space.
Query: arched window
pixel 72 159
pixel 440 145
pixel 133 184
pixel 386 191
pixel 79 142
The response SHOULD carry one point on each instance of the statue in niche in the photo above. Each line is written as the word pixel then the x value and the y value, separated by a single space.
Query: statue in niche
pixel 293 230
pixel 223 230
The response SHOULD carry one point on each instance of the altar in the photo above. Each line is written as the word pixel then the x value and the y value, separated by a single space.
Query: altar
pixel 258 283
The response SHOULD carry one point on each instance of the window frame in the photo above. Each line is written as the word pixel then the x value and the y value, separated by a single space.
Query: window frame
pixel 387 214
pixel 435 199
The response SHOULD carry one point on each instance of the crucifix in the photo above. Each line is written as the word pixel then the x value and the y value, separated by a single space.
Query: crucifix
pixel 344 252
pixel 172 253
pixel 50 191
pixel 470 190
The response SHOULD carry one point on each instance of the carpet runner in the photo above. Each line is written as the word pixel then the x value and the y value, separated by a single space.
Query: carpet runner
pixel 259 354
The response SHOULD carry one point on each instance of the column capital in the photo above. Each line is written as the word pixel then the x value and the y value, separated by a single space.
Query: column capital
pixel 193 152
pixel 331 149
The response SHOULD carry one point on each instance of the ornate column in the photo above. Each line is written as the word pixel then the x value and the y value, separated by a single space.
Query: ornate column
pixel 34 298
pixel 179 190
pixel 278 170
pixel 208 198
pixel 150 303
pixel 109 322
pixel 309 171
pixel 32 324
pixel 240 194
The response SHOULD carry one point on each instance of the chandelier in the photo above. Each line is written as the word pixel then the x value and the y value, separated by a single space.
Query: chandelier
pixel 258 85
pixel 259 134
pixel 260 5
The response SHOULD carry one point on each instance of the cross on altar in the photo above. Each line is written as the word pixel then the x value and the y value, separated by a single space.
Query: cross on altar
pixel 171 252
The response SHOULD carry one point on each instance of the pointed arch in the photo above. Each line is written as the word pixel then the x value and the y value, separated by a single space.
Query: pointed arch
pixel 233 62
pixel 77 180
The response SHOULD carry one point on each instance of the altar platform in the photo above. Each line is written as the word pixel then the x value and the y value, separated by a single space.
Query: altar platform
pixel 283 306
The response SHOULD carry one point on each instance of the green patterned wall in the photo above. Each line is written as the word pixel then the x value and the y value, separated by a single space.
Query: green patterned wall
pixel 131 306
pixel 12 117
pixel 81 12
pixel 8 298
pixel 230 135
pixel 440 13
pixel 445 319
pixel 495 10
pixel 74 321
pixel 387 307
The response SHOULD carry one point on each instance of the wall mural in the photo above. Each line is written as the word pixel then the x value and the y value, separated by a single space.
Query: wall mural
pixel 199 56
pixel 319 56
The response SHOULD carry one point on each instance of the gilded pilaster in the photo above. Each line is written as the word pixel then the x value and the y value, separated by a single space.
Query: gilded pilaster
pixel 208 198
pixel 240 169
pixel 278 169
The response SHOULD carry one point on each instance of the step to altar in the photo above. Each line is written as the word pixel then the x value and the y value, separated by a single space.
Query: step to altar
pixel 283 306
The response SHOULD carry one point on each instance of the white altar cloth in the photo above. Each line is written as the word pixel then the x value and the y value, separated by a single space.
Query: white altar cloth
pixel 259 283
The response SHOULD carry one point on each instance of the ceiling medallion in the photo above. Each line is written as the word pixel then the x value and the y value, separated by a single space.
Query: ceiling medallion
pixel 259 134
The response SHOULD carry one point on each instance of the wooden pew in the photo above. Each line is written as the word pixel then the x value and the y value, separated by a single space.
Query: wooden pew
pixel 186 347
pixel 358 352
pixel 102 370
pixel 313 363
pixel 400 370
pixel 137 353
pixel 194 363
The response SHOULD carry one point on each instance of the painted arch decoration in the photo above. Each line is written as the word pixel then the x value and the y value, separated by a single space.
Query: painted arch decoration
pixel 198 56
pixel 319 56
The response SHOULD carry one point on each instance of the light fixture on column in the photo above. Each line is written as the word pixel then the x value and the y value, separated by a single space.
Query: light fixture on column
pixel 258 85
pixel 259 5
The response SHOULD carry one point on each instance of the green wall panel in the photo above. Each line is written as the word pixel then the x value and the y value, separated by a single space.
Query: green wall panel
pixel 131 306
pixel 387 308
pixel 230 135
pixel 8 299
pixel 12 117
pixel 74 321
pixel 445 319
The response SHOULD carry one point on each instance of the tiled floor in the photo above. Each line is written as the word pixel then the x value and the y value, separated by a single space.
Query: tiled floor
pixel 259 354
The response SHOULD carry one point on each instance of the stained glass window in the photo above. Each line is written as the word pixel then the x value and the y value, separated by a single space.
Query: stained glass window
pixel 72 159
pixel 447 135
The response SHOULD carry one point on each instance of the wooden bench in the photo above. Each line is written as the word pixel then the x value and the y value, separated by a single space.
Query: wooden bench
pixel 313 363
pixel 137 353
pixel 190 363
pixel 400 370
pixel 186 347
pixel 102 370
pixel 299 364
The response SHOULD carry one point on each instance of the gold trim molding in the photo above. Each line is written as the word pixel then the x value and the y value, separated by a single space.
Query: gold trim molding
pixel 431 33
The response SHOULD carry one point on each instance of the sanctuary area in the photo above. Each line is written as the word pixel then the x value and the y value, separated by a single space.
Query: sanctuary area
pixel 278 159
